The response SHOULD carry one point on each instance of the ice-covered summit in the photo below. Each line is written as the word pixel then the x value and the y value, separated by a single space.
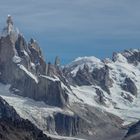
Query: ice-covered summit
pixel 80 62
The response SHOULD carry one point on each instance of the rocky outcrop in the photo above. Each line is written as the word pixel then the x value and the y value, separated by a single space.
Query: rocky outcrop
pixel 66 124
pixel 101 77
pixel 98 76
pixel 129 86
pixel 95 124
pixel 87 122
pixel 83 77
pixel 132 56
pixel 12 127
pixel 100 98
pixel 51 92
pixel 133 132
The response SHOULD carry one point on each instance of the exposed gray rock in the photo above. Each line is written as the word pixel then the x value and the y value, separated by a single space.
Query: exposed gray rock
pixel 95 124
pixel 67 125
pixel 36 57
pixel 51 92
pixel 83 77
pixel 127 97
pixel 101 77
pixel 129 86
pixel 13 127
pixel 100 97
pixel 132 56
pixel 23 67
pixel 133 132
pixel 86 122
pixel 57 61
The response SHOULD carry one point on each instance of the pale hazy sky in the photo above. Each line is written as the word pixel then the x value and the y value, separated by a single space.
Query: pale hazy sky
pixel 72 28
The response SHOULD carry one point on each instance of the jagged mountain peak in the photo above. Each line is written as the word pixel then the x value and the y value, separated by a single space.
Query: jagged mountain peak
pixel 10 24
pixel 10 29
pixel 130 56
pixel 78 99
pixel 127 56
pixel 9 20
pixel 23 67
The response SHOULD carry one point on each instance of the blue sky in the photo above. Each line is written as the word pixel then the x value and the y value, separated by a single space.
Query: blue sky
pixel 72 28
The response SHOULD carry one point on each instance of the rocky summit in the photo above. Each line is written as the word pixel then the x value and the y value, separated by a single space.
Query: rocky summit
pixel 88 99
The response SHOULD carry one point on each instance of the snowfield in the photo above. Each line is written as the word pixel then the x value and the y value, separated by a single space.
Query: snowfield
pixel 79 63
pixel 115 103
pixel 34 111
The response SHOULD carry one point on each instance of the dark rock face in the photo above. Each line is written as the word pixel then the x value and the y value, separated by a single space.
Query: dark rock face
pixel 98 77
pixel 6 53
pixel 7 111
pixel 23 66
pixel 101 77
pixel 83 77
pixel 12 127
pixel 133 132
pixel 67 125
pixel 92 124
pixel 100 97
pixel 127 97
pixel 133 56
pixel 129 86
pixel 87 123
pixel 54 92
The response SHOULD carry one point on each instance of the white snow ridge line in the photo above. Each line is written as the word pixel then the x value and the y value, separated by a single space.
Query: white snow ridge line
pixel 27 72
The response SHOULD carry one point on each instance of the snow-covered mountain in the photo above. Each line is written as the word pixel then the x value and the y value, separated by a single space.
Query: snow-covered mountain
pixel 87 99
pixel 111 84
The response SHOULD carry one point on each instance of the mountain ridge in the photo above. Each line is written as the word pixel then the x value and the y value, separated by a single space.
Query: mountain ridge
pixel 82 100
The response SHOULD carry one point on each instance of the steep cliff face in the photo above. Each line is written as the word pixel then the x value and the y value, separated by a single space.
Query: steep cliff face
pixel 13 127
pixel 133 132
pixel 22 65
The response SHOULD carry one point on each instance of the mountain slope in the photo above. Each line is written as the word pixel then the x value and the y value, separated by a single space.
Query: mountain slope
pixel 112 85
pixel 12 127
pixel 87 99
pixel 71 121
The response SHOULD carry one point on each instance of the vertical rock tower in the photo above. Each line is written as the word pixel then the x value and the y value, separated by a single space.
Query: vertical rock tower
pixel 9 30
pixel 10 27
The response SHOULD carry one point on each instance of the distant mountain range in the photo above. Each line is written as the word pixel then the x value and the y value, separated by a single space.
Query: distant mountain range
pixel 84 100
